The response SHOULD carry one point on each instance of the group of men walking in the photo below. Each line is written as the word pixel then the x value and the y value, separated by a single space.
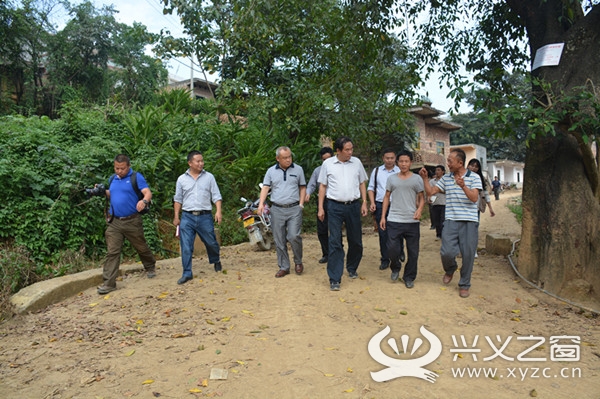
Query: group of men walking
pixel 397 198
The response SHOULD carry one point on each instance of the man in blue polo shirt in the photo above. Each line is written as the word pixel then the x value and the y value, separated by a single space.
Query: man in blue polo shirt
pixel 195 192
pixel 287 184
pixel 125 222
pixel 461 227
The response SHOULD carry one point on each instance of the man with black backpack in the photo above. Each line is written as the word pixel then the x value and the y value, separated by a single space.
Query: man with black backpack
pixel 129 196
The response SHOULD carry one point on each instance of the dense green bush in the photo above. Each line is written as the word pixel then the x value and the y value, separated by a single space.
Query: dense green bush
pixel 47 164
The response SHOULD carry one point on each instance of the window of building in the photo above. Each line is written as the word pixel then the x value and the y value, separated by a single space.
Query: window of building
pixel 417 140
pixel 440 147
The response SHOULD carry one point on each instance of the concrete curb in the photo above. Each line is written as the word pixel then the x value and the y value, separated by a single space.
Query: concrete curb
pixel 44 293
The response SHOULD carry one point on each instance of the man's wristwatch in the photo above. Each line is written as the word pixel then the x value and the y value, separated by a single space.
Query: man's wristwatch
pixel 145 202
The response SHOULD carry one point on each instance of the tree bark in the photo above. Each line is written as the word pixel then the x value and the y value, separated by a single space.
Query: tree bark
pixel 560 247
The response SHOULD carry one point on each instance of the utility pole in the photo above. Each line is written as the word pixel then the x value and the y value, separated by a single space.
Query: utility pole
pixel 192 78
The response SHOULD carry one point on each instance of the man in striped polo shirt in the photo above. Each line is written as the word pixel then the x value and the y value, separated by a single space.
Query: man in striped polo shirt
pixel 461 228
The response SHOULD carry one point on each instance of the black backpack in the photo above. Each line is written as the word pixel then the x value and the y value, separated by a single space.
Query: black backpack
pixel 138 192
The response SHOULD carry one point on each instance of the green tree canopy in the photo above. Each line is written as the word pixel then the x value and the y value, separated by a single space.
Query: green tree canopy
pixel 92 59
pixel 559 248
pixel 306 68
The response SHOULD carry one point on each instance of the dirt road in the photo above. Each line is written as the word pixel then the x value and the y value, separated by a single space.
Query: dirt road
pixel 294 338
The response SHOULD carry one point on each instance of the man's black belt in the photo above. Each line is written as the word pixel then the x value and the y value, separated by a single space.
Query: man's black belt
pixel 287 205
pixel 127 217
pixel 344 202
pixel 198 213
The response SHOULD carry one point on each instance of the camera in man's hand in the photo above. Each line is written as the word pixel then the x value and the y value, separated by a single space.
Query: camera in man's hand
pixel 98 191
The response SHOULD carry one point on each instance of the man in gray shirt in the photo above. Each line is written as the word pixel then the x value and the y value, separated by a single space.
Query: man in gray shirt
pixel 195 192
pixel 287 184
pixel 403 223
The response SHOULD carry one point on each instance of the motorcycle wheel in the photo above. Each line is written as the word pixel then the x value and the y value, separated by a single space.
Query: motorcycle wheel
pixel 266 242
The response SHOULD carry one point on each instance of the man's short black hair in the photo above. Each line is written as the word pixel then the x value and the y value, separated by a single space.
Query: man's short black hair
pixel 387 151
pixel 122 158
pixel 442 167
pixel 192 154
pixel 406 153
pixel 341 142
pixel 460 154
pixel 326 150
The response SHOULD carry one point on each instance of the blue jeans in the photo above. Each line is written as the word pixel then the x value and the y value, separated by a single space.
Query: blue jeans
pixel 204 226
pixel 338 214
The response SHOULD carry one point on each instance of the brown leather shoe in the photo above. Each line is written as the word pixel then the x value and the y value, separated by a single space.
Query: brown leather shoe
pixel 463 292
pixel 299 268
pixel 282 273
pixel 447 278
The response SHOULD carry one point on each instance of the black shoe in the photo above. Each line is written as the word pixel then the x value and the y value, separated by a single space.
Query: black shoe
pixel 184 280
pixel 384 265
pixel 335 286
pixel 352 274
pixel 103 289
pixel 402 256
pixel 432 228
pixel 151 273
pixel 395 275
pixel 323 259
pixel 218 267
pixel 409 283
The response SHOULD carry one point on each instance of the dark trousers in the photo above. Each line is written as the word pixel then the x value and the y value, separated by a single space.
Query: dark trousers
pixel 497 193
pixel 339 214
pixel 115 235
pixel 411 233
pixel 323 231
pixel 430 212
pixel 438 214
pixel 383 234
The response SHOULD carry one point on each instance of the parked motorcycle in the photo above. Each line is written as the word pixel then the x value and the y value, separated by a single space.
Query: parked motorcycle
pixel 257 226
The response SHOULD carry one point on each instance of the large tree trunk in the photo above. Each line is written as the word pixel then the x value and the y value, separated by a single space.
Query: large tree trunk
pixel 560 247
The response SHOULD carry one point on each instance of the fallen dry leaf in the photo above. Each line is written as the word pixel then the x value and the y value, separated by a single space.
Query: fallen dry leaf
pixel 147 382
pixel 180 335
